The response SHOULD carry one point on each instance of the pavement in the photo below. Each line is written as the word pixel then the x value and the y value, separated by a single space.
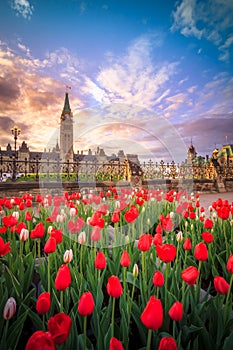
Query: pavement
pixel 206 199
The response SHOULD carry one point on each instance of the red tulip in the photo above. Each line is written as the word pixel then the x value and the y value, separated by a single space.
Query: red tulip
pixel 207 237
pixel 158 239
pixel 63 278
pixel 187 244
pixel 115 344
pixel 158 279
pixel 159 229
pixel 86 304
pixel 208 223
pixel 144 242
pixel 125 259
pixel 176 311
pixel 50 245
pixel 28 216
pixel 100 261
pixel 221 285
pixel 166 252
pixel 9 221
pixel 115 216
pixel 189 275
pixel 38 231
pixel 131 214
pixel 114 287
pixel 201 252
pixel 152 316
pixel 224 212
pixel 4 247
pixel 192 215
pixel 167 343
pixel 59 326
pixel 96 220
pixel 57 234
pixel 96 233
pixel 43 303
pixel 230 264
pixel 40 340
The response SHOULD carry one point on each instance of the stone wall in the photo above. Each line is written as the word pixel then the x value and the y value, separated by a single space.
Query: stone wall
pixel 229 185
pixel 12 189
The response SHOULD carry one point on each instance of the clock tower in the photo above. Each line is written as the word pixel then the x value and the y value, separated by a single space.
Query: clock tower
pixel 66 132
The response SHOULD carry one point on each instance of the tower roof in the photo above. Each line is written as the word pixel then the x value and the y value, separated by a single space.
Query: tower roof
pixel 67 108
pixel 66 112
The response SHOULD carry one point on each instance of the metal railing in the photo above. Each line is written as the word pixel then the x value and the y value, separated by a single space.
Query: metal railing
pixel 55 170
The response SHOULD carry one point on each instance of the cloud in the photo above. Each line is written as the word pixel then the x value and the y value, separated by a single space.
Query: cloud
pixel 23 8
pixel 210 19
pixel 185 19
pixel 134 76
pixel 206 128
pixel 29 97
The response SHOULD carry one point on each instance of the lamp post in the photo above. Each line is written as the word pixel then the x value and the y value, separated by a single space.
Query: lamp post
pixel 15 132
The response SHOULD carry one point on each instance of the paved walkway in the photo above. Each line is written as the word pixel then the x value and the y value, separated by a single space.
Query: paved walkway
pixel 206 199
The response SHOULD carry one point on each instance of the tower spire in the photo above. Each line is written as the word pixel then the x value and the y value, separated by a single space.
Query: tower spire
pixel 66 131
pixel 66 109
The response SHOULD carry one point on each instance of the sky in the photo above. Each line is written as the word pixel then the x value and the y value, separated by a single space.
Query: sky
pixel 146 76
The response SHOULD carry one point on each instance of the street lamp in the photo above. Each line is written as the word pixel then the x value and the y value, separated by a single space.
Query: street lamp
pixel 15 132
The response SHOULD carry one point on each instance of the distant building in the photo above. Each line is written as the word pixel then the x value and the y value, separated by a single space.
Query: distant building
pixel 65 151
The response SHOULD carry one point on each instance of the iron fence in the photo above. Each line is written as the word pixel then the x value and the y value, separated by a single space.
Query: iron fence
pixel 56 170
pixel 13 169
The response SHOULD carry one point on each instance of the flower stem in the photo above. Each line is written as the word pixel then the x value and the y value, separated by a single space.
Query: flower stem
pixel 38 243
pixel 49 273
pixel 81 259
pixel 229 290
pixel 85 331
pixel 61 301
pixel 149 336
pixel 113 317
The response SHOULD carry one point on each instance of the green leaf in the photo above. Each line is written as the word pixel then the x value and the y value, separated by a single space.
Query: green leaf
pixel 89 345
pixel 228 342
pixel 136 313
pixel 15 331
pixel 15 282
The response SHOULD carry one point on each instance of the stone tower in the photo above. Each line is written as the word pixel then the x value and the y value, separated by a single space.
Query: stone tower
pixel 66 132
pixel 191 154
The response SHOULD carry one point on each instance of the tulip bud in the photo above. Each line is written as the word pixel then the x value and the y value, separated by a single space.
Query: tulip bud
pixel 191 227
pixel 59 218
pixel 73 212
pixel 50 228
pixel 214 216
pixel 9 309
pixel 68 256
pixel 172 215
pixel 127 240
pixel 231 222
pixel 186 224
pixel 82 237
pixel 135 271
pixel 143 209
pixel 24 234
pixel 179 237
pixel 16 215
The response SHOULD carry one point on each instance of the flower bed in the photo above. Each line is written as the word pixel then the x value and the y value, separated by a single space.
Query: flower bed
pixel 116 270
